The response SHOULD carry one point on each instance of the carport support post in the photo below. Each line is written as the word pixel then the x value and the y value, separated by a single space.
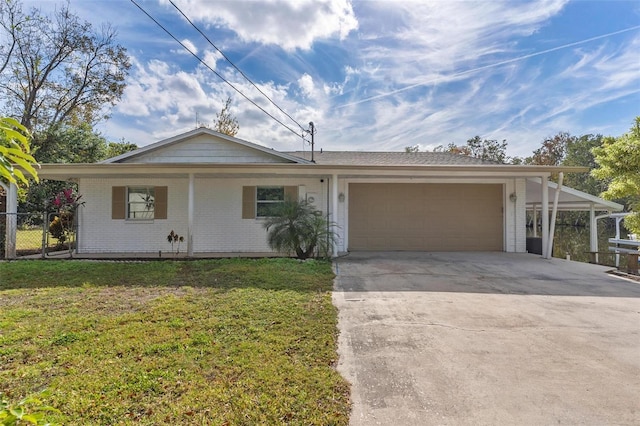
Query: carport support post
pixel 554 214
pixel 190 215
pixel 334 211
pixel 11 221
pixel 545 215
pixel 593 234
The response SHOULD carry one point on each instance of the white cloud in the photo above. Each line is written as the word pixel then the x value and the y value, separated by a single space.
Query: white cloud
pixel 188 44
pixel 290 24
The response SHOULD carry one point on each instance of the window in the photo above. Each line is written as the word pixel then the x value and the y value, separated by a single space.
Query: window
pixel 268 199
pixel 261 201
pixel 140 203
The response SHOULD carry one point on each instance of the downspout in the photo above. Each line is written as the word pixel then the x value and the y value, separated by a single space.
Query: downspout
pixel 554 213
pixel 190 215
pixel 593 234
pixel 545 215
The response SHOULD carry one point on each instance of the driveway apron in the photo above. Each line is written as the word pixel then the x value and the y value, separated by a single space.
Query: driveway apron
pixel 487 339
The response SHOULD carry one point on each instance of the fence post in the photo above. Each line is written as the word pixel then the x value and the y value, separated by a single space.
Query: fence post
pixel 45 229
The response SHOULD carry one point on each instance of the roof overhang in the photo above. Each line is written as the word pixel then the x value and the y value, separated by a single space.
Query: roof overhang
pixel 569 200
pixel 70 172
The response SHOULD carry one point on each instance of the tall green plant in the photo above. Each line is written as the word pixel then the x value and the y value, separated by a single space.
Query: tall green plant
pixel 297 227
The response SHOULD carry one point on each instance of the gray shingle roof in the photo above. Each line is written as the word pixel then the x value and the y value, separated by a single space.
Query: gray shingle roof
pixel 388 158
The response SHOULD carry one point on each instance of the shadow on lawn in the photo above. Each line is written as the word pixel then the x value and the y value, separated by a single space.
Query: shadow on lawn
pixel 222 274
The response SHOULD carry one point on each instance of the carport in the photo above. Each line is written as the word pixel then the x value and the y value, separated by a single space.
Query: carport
pixel 567 199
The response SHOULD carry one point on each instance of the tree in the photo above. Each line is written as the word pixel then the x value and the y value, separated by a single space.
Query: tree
pixel 15 150
pixel 67 144
pixel 552 152
pixel 485 149
pixel 488 149
pixel 58 69
pixel 297 227
pixel 225 122
pixel 619 164
pixel 579 153
pixel 411 149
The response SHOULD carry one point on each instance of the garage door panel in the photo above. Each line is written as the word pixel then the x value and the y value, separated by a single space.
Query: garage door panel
pixel 430 217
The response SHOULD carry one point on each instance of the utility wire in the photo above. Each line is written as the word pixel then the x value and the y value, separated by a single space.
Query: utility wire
pixel 233 65
pixel 216 73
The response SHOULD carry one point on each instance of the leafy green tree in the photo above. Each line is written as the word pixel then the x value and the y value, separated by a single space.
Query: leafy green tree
pixel 618 162
pixel 58 69
pixel 297 227
pixel 15 150
pixel 225 122
pixel 414 148
pixel 579 153
pixel 67 144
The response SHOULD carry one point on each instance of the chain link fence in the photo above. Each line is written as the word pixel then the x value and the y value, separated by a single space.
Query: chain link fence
pixel 37 237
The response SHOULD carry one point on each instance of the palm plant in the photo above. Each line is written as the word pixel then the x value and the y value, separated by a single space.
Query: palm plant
pixel 297 227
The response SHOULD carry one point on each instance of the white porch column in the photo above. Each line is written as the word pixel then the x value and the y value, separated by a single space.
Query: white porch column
pixel 554 215
pixel 11 221
pixel 593 232
pixel 190 215
pixel 535 220
pixel 334 210
pixel 545 215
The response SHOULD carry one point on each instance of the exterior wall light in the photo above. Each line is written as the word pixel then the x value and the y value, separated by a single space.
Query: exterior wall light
pixel 341 197
pixel 513 197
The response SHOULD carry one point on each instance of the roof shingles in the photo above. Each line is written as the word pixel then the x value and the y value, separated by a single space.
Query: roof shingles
pixel 388 158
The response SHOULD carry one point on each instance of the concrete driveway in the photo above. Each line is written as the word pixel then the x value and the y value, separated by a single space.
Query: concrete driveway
pixel 487 338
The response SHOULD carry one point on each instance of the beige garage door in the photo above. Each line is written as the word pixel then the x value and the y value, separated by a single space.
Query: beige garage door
pixel 425 217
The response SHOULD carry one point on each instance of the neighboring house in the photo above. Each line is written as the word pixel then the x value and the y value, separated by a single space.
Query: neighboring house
pixel 215 190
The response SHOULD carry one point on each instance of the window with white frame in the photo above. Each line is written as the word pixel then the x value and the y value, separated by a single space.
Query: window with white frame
pixel 268 199
pixel 141 202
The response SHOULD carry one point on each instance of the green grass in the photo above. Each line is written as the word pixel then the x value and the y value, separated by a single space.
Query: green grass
pixel 29 239
pixel 220 342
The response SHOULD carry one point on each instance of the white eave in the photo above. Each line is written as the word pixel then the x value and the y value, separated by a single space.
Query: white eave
pixel 570 199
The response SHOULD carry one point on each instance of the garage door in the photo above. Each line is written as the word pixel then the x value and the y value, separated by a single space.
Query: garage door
pixel 425 217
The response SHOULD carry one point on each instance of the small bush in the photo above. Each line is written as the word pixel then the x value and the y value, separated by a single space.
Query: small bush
pixel 60 225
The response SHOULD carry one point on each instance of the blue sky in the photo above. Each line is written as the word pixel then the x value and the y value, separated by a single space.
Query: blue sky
pixel 379 75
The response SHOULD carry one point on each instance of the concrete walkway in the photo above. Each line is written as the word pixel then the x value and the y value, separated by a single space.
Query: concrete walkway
pixel 487 339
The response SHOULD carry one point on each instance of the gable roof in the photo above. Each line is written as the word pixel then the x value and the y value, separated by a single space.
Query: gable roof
pixel 145 153
pixel 361 158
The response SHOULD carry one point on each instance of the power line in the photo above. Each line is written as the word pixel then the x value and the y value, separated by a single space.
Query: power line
pixel 216 73
pixel 233 65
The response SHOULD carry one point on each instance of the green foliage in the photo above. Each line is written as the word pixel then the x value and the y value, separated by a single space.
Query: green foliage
pixel 619 164
pixel 15 150
pixel 59 226
pixel 27 411
pixel 297 227
pixel 229 341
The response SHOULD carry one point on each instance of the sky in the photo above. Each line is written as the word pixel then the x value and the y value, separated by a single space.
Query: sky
pixel 376 75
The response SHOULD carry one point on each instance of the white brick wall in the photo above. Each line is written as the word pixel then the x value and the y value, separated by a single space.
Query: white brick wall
pixel 218 223
pixel 98 233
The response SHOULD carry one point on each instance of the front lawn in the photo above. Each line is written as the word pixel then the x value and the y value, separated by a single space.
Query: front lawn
pixel 220 342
